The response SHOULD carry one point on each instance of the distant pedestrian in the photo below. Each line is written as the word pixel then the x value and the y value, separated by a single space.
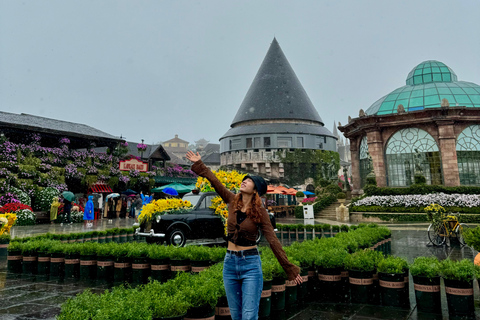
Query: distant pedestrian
pixel 67 211
pixel 138 206
pixel 54 210
pixel 88 213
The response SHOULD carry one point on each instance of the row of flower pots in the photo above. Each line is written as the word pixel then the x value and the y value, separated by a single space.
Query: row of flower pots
pixel 108 262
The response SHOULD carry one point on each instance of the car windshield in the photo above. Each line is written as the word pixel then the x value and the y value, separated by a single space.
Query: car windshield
pixel 193 198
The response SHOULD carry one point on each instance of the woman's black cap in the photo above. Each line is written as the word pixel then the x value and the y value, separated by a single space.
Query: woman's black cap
pixel 260 184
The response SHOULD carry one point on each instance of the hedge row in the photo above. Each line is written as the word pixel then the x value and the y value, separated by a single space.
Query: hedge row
pixel 371 190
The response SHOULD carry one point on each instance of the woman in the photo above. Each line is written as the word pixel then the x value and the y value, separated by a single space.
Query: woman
pixel 242 269
pixel 54 210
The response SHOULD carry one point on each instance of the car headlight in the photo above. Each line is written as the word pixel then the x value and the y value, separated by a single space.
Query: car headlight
pixel 158 218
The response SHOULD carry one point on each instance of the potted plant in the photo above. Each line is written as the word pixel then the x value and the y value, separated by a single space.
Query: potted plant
pixel 29 257
pixel 105 270
pixel 57 259
pixel 326 230
pixel 102 236
pixel 299 195
pixel 123 235
pixel 458 277
pixel 266 297
pixel 199 258
pixel 309 231
pixel 179 261
pixel 43 262
pixel 391 274
pixel 130 234
pixel 4 241
pixel 88 261
pixel 291 288
pixel 426 280
pixel 159 263
pixel 72 261
pixel 278 286
pixel 115 235
pixel 140 263
pixel 87 236
pixel 360 268
pixel 14 258
pixel 329 264
pixel 64 237
pixel 95 236
pixel 109 235
pixel 335 230
pixel 122 264
pixel 341 196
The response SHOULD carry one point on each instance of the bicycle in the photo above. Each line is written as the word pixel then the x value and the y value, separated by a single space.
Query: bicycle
pixel 438 231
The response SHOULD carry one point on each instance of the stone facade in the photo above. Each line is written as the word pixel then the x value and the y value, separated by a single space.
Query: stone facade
pixel 443 124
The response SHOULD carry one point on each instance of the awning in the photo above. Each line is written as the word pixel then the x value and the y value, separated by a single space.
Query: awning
pixel 182 180
pixel 101 188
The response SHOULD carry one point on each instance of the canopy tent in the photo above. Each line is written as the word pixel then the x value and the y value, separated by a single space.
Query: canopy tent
pixel 129 191
pixel 308 193
pixel 180 188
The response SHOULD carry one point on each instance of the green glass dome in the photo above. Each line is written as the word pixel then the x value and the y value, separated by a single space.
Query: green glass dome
pixel 427 84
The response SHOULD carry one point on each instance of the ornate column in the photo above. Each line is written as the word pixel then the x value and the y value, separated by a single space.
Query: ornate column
pixel 448 153
pixel 355 160
pixel 375 149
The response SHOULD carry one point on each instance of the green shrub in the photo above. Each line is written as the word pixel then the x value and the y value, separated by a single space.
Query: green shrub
pixel 360 261
pixel 420 179
pixel 463 270
pixel 393 264
pixel 341 195
pixel 323 202
pixel 333 189
pixel 299 212
pixel 425 267
pixel 300 194
pixel 332 258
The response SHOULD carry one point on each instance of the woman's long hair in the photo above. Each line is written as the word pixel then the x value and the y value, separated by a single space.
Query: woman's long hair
pixel 253 211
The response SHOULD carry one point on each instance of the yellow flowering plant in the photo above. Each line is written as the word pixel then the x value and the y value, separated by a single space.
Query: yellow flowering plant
pixel 161 207
pixel 435 212
pixel 7 220
pixel 231 180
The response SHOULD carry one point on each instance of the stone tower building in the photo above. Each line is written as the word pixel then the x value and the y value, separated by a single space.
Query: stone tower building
pixel 276 114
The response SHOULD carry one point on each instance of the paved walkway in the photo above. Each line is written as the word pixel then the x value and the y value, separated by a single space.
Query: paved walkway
pixel 32 298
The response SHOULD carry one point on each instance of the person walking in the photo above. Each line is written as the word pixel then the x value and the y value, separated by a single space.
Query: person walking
pixel 54 210
pixel 242 268
pixel 88 213
pixel 138 206
pixel 67 211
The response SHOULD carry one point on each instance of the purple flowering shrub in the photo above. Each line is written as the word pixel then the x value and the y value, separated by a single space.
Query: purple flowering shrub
pixel 8 198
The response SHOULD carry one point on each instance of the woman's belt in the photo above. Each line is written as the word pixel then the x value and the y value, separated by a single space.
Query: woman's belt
pixel 249 252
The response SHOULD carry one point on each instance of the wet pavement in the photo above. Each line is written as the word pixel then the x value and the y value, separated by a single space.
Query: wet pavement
pixel 34 297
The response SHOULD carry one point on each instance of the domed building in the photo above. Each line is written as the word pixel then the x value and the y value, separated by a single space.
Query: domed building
pixel 276 114
pixel 430 127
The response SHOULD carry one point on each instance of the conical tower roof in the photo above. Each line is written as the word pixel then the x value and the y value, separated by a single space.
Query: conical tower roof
pixel 276 93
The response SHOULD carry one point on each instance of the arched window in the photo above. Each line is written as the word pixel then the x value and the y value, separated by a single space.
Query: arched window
pixel 410 151
pixel 468 155
pixel 365 161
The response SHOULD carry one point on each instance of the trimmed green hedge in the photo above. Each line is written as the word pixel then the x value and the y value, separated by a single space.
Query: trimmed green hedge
pixel 417 217
pixel 371 190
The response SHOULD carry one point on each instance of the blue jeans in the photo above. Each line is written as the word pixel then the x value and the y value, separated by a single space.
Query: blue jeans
pixel 243 280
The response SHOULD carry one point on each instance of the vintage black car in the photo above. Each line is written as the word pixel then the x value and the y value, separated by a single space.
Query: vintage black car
pixel 199 223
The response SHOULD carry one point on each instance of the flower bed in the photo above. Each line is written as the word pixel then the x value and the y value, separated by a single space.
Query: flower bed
pixel 161 207
pixel 24 213
pixel 464 203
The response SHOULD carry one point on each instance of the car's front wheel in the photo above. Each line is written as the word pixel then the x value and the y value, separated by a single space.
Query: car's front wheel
pixel 177 237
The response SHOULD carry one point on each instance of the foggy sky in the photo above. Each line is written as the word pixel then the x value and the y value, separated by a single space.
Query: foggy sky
pixel 153 69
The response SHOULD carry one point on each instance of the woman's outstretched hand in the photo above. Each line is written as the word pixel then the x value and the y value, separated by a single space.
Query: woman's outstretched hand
pixel 193 157
pixel 299 279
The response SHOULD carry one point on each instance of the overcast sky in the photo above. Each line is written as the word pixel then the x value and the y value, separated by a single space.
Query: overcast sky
pixel 153 69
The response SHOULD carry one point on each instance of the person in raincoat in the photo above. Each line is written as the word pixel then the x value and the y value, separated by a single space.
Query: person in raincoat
pixel 88 213
pixel 54 210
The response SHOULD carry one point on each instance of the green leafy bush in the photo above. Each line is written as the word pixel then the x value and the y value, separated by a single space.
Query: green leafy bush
pixel 360 261
pixel 425 267
pixel 463 270
pixel 333 189
pixel 341 195
pixel 392 264
pixel 300 194
pixel 323 202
